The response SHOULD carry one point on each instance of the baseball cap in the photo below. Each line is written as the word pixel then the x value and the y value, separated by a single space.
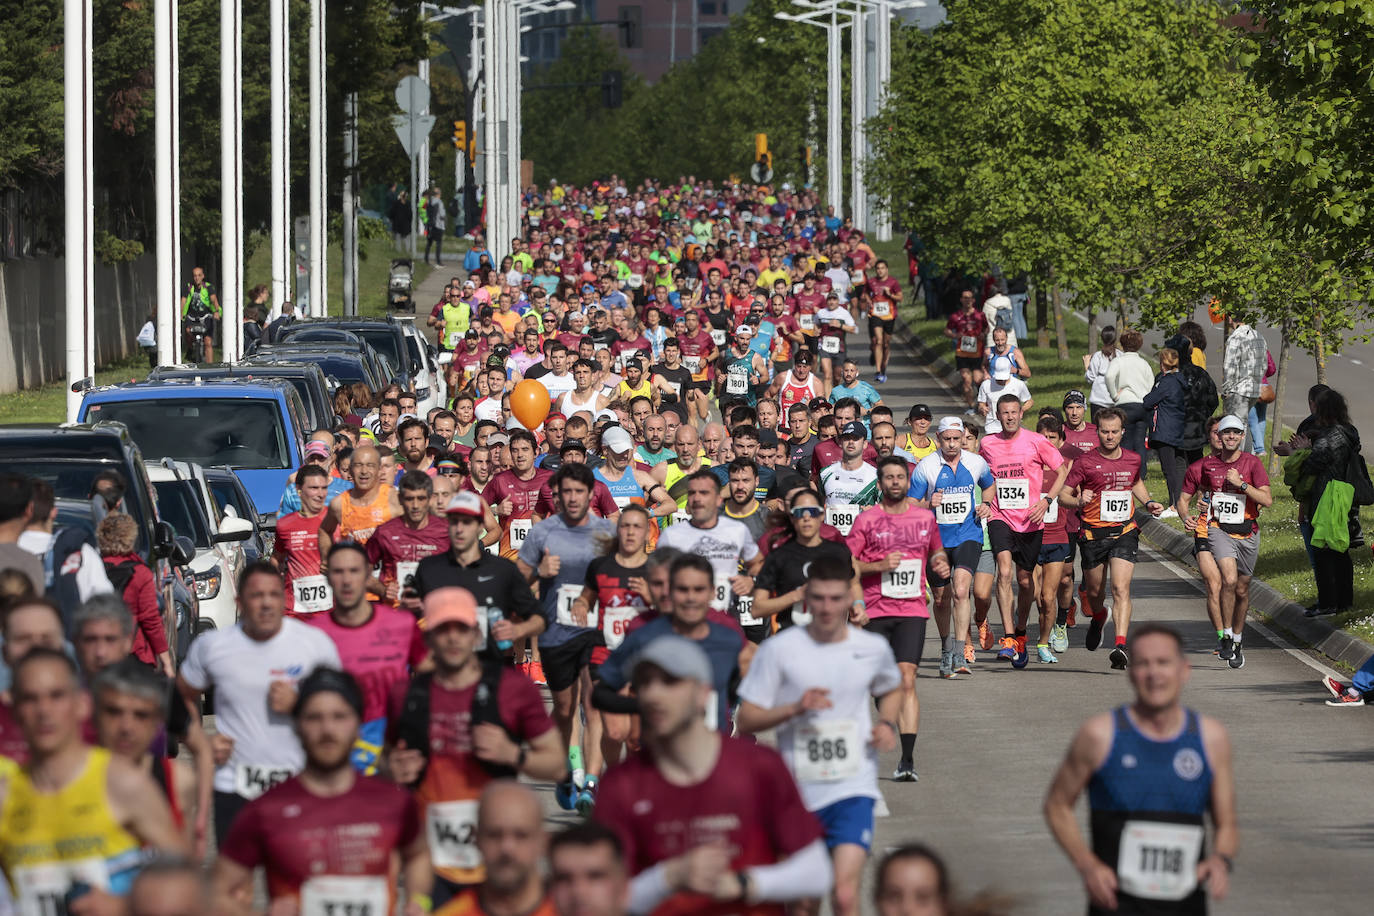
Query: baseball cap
pixel 572 445
pixel 450 605
pixel 677 656
pixel 316 448
pixel 498 438
pixel 744 331
pixel 948 423
pixel 1074 397
pixel 1001 369
pixel 816 404
pixel 768 438
pixel 919 410
pixel 473 334
pixel 1231 421
pixel 607 414
pixel 854 429
pixel 615 439
pixel 465 502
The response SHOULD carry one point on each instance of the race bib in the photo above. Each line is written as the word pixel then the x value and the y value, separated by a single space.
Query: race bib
pixel 830 345
pixel 681 515
pixel 842 517
pixel 519 530
pixel 693 364
pixel 1013 493
pixel 253 779
pixel 904 581
pixel 1115 507
pixel 454 338
pixel 1052 513
pixel 1228 508
pixel 622 501
pixel 1158 861
pixel 718 337
pixel 677 389
pixel 968 345
pixel 565 597
pixel 807 321
pixel 745 607
pixel 635 281
pixel 712 716
pixel 405 573
pixel 312 594
pixel 720 599
pixel 827 750
pixel 614 621
pixel 954 508
pixel 800 615
pixel 41 890
pixel 882 309
pixel 345 895
pixel 737 383
pixel 451 828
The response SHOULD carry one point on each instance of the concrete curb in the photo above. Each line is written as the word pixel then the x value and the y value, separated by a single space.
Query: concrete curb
pixel 1314 631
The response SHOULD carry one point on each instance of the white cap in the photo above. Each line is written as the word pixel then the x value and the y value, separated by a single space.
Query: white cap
pixel 1001 369
pixel 1230 421
pixel 948 423
pixel 615 439
pixel 744 331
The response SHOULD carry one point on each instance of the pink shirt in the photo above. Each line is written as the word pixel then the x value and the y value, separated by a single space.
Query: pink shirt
pixel 915 535
pixel 380 653
pixel 1025 456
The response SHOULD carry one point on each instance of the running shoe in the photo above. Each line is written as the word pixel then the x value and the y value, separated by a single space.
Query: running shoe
pixel 1335 687
pixel 1346 699
pixel 880 378
pixel 566 794
pixel 1238 659
pixel 1021 658
pixel 1021 644
pixel 1046 657
pixel 985 639
pixel 1226 649
pixel 586 800
pixel 1119 658
pixel 1008 649
pixel 536 673
pixel 969 656
pixel 1094 637
pixel 905 772
pixel 1073 615
pixel 946 664
pixel 1059 638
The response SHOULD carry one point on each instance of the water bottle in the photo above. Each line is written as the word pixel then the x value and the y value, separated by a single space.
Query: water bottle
pixel 494 616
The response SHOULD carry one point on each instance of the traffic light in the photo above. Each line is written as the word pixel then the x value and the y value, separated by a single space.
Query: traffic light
pixel 612 84
pixel 762 157
pixel 630 19
pixel 460 135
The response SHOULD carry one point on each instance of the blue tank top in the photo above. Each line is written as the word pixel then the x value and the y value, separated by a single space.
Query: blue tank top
pixel 624 490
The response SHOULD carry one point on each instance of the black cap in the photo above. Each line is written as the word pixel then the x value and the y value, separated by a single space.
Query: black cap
pixel 1074 397
pixel 329 680
pixel 768 438
pixel 919 410
pixel 816 404
pixel 571 445
pixel 853 430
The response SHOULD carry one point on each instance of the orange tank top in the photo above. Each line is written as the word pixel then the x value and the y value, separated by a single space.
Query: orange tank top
pixel 358 521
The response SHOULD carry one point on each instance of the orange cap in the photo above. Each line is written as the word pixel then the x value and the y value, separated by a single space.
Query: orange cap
pixel 450 605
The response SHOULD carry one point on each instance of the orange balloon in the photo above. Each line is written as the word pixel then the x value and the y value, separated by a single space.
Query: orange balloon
pixel 530 403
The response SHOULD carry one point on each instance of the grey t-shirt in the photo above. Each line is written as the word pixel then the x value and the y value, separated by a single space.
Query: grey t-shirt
pixel 576 548
pixel 12 556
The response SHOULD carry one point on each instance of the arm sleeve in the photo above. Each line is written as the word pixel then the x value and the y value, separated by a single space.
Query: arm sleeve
pixel 609 699
pixel 806 873
pixel 648 889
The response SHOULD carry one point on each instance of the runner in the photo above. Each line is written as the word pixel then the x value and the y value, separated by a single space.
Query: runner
pixel 327 837
pixel 798 385
pixel 75 821
pixel 1101 486
pixel 454 730
pixel 557 552
pixel 672 379
pixel 1078 432
pixel 296 548
pixel 850 483
pixel 515 495
pixel 957 486
pixel 1202 551
pixel 744 371
pixel 893 543
pixel 354 515
pixel 1056 555
pixel 1154 770
pixel 400 544
pixel 834 322
pixel 851 386
pixel 881 295
pixel 1019 459
pixel 967 328
pixel 816 684
pixel 747 442
pixel 586 395
pixel 629 485
pixel 724 542
pixel 1237 487
pixel 741 841
pixel 780 586
pixel 510 838
pixel 699 354
pixel 254 669
pixel 587 872
pixel 919 442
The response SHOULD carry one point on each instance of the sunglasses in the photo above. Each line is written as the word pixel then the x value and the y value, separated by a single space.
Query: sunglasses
pixel 806 511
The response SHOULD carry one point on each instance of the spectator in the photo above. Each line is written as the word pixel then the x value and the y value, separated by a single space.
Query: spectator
pixel 252 328
pixel 399 215
pixel 16 508
pixel 437 223
pixel 133 580
pixel 1352 694
pixel 1243 366
pixel 287 316
pixel 1129 379
pixel 1326 501
pixel 1259 413
pixel 1288 447
pixel 72 568
pixel 147 340
pixel 1197 340
pixel 1168 401
pixel 997 309
pixel 1095 370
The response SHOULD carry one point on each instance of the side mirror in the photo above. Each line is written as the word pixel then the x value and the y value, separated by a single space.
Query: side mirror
pixel 267 522
pixel 183 551
pixel 234 529
pixel 164 537
pixel 446 357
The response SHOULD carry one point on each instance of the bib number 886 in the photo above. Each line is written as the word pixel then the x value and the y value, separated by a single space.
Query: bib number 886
pixel 818 749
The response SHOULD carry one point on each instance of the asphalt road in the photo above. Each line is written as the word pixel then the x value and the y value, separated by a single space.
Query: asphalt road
pixel 989 744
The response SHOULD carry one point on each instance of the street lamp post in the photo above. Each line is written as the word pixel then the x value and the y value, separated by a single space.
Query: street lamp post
pixel 168 177
pixel 79 203
pixel 280 172
pixel 834 78
pixel 318 242
pixel 231 179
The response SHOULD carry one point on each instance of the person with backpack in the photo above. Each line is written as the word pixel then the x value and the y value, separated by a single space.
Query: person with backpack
pixel 1166 403
pixel 133 581
pixel 997 310
pixel 72 568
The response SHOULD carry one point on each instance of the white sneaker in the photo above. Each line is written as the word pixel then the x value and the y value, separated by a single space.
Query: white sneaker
pixel 1168 513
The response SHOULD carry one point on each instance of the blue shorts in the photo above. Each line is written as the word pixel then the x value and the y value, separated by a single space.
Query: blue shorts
pixel 849 820
pixel 1056 553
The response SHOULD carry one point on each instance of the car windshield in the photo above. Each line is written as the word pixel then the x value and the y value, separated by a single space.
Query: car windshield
pixel 239 432
pixel 176 504
pixel 71 479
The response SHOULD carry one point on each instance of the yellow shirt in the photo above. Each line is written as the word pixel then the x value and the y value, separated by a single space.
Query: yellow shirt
pixel 1199 358
pixel 624 392
pixel 767 278
pixel 917 451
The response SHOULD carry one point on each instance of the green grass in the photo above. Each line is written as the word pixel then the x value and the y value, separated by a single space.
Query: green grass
pixel 48 403
pixel 1282 560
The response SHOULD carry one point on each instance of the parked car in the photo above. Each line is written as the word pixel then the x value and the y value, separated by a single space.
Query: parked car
pixel 310 383
pixel 232 498
pixel 256 428
pixel 395 340
pixel 430 388
pixel 346 363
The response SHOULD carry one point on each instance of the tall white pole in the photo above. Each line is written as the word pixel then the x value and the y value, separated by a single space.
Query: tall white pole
pixel 881 217
pixel 350 209
pixel 278 182
pixel 78 266
pixel 513 131
pixel 492 126
pixel 834 144
pixel 165 132
pixel 672 35
pixel 318 242
pixel 858 101
pixel 231 179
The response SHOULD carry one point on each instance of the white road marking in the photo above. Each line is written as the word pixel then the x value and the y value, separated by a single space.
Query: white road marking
pixel 1356 361
pixel 1192 579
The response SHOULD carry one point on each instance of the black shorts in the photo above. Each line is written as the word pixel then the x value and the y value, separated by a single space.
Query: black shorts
pixel 1056 553
pixel 1024 545
pixel 961 556
pixel 563 664
pixel 1124 547
pixel 881 324
pixel 906 636
pixel 227 806
pixel 704 387
pixel 968 362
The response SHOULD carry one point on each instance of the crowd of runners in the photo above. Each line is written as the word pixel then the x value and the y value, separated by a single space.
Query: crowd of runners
pixel 717 555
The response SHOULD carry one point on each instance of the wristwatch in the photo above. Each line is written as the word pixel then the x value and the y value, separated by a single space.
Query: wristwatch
pixel 1244 485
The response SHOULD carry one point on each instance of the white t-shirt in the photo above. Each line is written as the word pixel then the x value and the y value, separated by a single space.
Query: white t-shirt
pixel 725 546
pixel 990 391
pixel 839 279
pixel 558 385
pixel 487 408
pixel 854 670
pixel 842 315
pixel 843 487
pixel 242 670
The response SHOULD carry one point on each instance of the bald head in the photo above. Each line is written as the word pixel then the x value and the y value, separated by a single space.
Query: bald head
pixel 510 836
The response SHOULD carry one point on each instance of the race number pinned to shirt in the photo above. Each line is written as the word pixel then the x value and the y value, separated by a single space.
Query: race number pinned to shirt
pixel 454 339
pixel 800 615
pixel 954 508
pixel 563 614
pixel 693 364
pixel 882 308
pixel 405 573
pixel 681 515
pixel 1052 513
pixel 830 345
pixel 519 530
pixel 807 321
pixel 1228 508
pixel 614 621
pixel 904 581
pixel 1013 493
pixel 1116 507
pixel 345 895
pixel 312 594
pixel 1158 861
pixel 745 606
pixel 253 779
pixel 737 381
pixel 842 517
pixel 720 597
pixel 451 828
pixel 41 889
pixel 827 750
pixel 718 336
pixel 968 345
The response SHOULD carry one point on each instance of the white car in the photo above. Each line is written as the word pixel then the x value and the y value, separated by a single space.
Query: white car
pixel 185 501
pixel 430 389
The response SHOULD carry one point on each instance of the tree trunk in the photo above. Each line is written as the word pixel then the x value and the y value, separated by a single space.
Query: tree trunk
pixel 1042 330
pixel 1276 408
pixel 1319 348
pixel 1060 332
pixel 1092 328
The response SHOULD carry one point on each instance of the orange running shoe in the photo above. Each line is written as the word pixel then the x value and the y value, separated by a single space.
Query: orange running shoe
pixel 1008 650
pixel 536 674
pixel 1020 645
pixel 985 640
pixel 1072 620
pixel 966 667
